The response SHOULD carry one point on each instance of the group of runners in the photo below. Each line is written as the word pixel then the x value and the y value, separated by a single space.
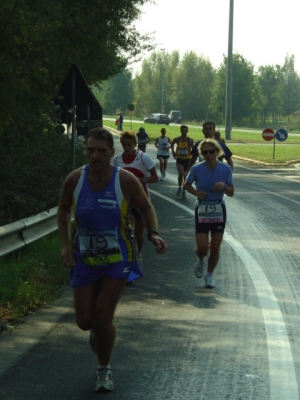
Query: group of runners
pixel 108 196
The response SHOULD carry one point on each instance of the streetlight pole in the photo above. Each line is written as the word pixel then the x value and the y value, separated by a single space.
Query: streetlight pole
pixel 228 101
pixel 162 81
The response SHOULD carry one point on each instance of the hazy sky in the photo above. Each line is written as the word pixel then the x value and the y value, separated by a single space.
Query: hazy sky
pixel 264 31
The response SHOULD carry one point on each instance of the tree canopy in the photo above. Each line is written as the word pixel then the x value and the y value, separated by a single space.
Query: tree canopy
pixel 39 40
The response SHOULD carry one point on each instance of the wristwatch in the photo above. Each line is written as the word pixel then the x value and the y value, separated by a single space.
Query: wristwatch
pixel 150 233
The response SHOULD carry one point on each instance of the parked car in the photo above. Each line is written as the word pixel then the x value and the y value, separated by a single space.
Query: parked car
pixel 157 119
pixel 175 116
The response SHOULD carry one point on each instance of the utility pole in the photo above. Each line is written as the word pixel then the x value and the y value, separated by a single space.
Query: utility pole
pixel 228 100
pixel 162 81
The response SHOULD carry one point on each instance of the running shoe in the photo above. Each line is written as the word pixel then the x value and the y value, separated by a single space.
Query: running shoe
pixel 183 194
pixel 178 191
pixel 161 177
pixel 164 173
pixel 209 281
pixel 199 267
pixel 104 382
pixel 93 344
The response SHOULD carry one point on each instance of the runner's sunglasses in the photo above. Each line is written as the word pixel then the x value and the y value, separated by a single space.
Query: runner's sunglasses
pixel 205 152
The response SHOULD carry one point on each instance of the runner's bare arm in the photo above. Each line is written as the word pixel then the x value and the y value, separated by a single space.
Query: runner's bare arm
pixel 64 211
pixel 189 188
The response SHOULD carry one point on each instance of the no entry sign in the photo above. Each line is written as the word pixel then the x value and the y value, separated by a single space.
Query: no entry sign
pixel 268 134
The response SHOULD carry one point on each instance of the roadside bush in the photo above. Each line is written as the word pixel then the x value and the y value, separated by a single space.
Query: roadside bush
pixel 34 163
pixel 30 278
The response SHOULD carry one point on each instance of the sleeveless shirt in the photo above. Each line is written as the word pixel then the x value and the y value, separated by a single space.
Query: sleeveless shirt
pixel 163 146
pixel 102 232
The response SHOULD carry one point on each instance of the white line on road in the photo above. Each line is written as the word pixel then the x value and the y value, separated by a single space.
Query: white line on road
pixel 283 383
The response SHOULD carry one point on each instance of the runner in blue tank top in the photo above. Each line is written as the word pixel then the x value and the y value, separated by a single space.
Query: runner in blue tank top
pixel 102 250
pixel 212 179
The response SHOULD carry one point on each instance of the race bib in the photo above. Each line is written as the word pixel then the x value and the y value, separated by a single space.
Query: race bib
pixel 183 152
pixel 142 142
pixel 99 247
pixel 210 213
pixel 164 149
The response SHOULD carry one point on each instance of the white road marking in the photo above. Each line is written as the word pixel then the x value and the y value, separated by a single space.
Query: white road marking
pixel 283 383
pixel 262 171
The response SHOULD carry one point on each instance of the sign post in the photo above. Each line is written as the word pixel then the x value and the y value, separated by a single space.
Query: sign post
pixel 281 135
pixel 268 134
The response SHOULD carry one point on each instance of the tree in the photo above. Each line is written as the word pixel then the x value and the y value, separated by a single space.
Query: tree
pixel 290 90
pixel 192 86
pixel 39 40
pixel 242 89
pixel 269 82
pixel 115 93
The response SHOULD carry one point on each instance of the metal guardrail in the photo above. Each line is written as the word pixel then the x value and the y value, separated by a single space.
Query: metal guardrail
pixel 21 233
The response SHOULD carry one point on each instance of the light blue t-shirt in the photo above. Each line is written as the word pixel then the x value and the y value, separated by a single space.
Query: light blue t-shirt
pixel 205 178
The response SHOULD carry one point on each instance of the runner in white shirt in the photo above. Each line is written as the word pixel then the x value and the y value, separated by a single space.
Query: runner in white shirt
pixel 163 144
pixel 143 167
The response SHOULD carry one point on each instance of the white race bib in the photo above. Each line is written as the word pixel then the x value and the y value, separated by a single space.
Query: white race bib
pixel 99 247
pixel 210 213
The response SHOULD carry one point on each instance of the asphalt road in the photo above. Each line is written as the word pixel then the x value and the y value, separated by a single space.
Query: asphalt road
pixel 177 339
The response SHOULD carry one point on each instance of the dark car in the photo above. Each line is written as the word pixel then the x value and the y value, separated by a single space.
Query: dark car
pixel 157 119
pixel 175 116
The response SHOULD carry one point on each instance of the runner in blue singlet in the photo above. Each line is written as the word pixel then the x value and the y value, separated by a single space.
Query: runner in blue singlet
pixel 102 250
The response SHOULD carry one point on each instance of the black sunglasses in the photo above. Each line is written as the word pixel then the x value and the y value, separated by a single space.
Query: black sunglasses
pixel 205 152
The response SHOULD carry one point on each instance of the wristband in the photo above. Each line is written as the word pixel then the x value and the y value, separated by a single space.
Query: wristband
pixel 150 233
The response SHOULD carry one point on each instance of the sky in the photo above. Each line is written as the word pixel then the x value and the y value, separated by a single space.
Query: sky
pixel 264 31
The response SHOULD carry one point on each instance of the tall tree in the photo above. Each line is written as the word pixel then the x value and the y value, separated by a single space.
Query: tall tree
pixel 115 93
pixel 192 86
pixel 290 90
pixel 39 40
pixel 269 82
pixel 242 89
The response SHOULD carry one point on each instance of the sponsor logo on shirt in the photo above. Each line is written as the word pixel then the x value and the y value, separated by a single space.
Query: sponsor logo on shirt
pixel 107 203
pixel 87 201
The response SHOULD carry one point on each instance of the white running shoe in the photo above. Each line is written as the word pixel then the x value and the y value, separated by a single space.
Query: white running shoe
pixel 104 382
pixel 161 177
pixel 199 268
pixel 209 281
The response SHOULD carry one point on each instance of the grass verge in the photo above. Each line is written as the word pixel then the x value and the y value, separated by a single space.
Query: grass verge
pixel 243 144
pixel 29 279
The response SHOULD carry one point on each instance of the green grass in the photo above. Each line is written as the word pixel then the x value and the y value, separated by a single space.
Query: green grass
pixel 241 143
pixel 283 153
pixel 30 279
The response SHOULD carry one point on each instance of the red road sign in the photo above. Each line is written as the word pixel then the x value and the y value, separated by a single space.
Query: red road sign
pixel 268 134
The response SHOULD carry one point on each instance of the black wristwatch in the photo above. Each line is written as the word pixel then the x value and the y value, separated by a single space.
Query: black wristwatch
pixel 150 233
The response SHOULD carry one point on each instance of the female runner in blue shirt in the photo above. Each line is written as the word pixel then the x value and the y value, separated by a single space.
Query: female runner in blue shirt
pixel 213 179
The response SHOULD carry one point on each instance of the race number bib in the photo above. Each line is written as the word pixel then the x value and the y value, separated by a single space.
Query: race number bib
pixel 210 213
pixel 99 247
pixel 183 152
pixel 164 149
